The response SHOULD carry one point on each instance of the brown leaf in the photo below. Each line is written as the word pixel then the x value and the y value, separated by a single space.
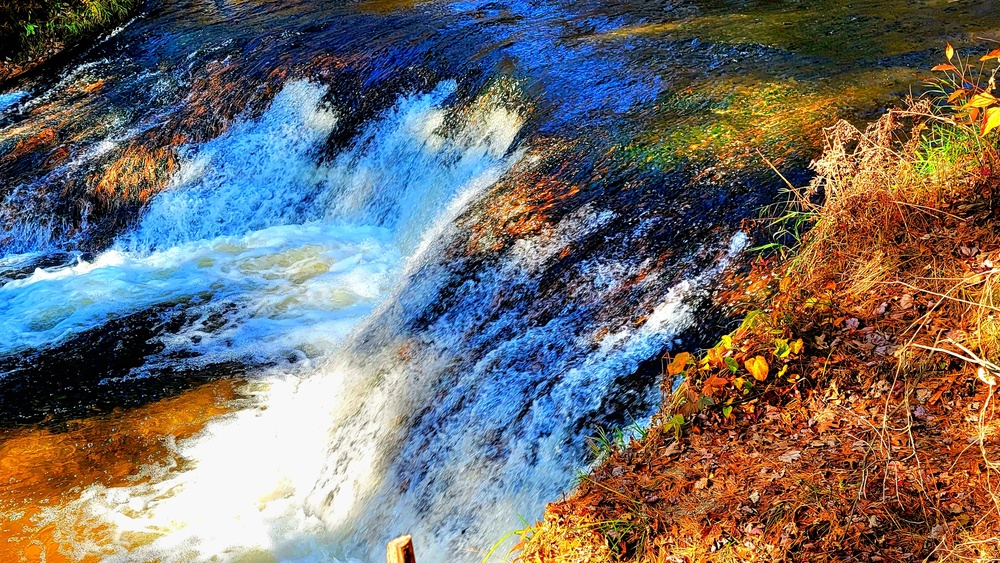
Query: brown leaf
pixel 790 456
pixel 688 409
pixel 716 381
pixel 675 448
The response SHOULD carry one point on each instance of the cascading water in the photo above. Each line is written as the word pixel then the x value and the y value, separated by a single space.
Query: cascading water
pixel 438 241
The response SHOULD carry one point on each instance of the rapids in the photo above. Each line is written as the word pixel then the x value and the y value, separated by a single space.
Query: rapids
pixel 282 280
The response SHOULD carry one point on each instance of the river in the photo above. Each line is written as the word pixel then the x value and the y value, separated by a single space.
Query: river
pixel 282 280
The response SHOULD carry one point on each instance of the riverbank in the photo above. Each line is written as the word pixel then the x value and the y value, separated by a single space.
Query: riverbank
pixel 852 415
pixel 39 30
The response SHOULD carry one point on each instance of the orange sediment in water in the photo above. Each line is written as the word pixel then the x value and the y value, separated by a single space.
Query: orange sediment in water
pixel 42 469
pixel 519 208
pixel 140 170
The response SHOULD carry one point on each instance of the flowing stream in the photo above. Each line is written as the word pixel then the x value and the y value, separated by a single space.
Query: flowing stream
pixel 283 280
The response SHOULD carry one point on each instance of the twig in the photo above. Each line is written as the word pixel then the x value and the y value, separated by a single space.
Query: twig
pixel 974 360
pixel 925 208
pixel 941 295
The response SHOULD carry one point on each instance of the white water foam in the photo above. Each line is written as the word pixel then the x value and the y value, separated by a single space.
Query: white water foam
pixel 363 440
pixel 456 456
pixel 290 253
pixel 253 223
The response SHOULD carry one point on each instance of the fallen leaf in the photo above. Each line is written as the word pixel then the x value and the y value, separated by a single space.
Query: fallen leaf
pixel 790 456
pixel 678 364
pixel 757 366
pixel 716 381
pixel 674 448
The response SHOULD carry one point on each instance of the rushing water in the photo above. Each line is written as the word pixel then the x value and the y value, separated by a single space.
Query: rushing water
pixel 284 279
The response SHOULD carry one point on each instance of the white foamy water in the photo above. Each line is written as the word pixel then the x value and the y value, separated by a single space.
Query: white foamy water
pixel 254 225
pixel 394 417
pixel 463 445
pixel 289 252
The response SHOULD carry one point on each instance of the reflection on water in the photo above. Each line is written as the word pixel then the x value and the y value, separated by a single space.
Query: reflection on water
pixel 42 469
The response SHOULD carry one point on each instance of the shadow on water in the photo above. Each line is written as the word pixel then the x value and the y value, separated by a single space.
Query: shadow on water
pixel 627 139
pixel 98 371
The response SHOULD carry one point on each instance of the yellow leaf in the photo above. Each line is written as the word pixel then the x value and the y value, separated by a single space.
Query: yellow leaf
pixel 678 364
pixel 757 366
pixel 991 121
pixel 981 100
pixel 782 371
pixel 727 341
pixel 795 346
pixel 949 51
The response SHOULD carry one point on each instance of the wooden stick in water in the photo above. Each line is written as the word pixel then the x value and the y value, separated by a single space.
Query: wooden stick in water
pixel 400 550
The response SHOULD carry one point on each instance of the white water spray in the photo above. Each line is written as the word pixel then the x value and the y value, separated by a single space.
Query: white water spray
pixel 291 253
pixel 366 427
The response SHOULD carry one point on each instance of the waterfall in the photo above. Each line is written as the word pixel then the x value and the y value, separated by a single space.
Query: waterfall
pixel 302 264
pixel 431 320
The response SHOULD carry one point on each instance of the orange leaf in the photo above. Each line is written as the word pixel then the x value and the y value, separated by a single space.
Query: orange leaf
pixel 785 284
pixel 973 114
pixel 994 54
pixel 991 121
pixel 678 363
pixel 982 100
pixel 949 51
pixel 714 356
pixel 716 381
pixel 960 93
pixel 945 67
pixel 757 366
